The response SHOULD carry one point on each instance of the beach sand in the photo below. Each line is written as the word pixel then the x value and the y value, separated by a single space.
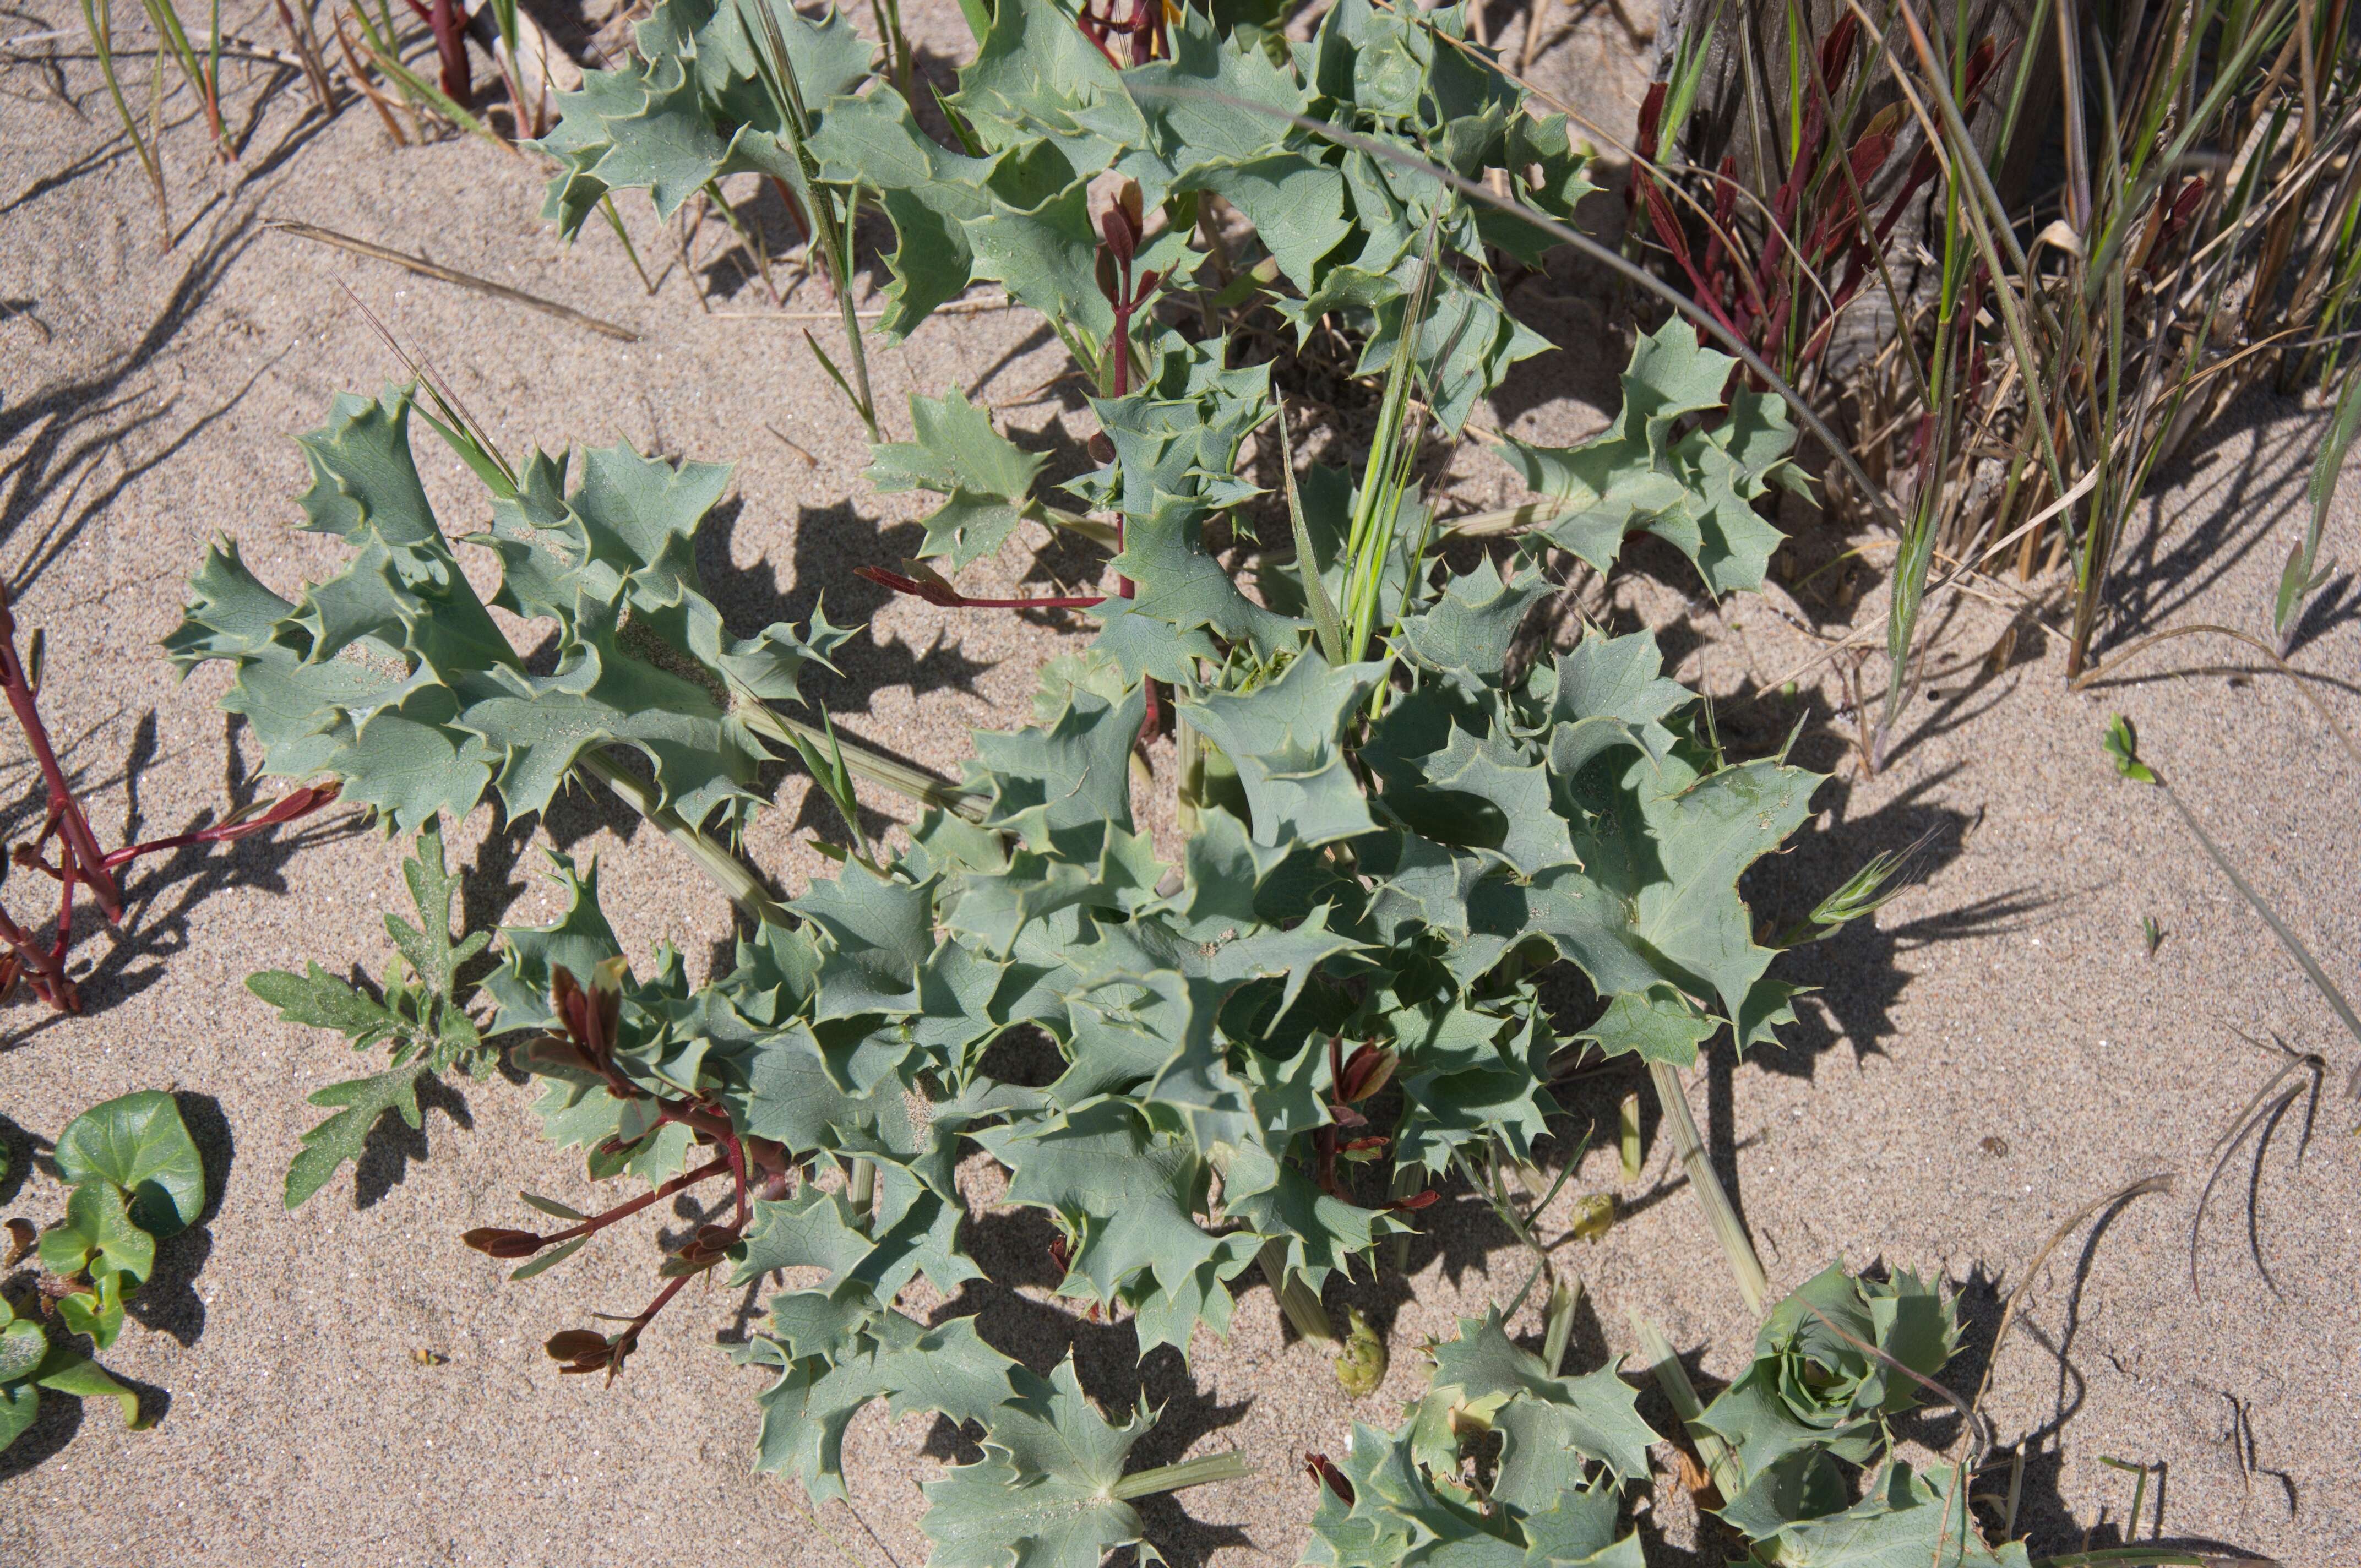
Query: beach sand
pixel 348 1385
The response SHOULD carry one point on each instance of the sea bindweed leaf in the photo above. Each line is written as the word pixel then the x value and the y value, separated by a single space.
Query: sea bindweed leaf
pixel 138 1145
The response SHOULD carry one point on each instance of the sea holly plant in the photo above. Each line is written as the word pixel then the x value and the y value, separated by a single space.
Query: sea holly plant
pixel 136 1178
pixel 1502 1461
pixel 1834 1363
pixel 1275 1046
pixel 1175 194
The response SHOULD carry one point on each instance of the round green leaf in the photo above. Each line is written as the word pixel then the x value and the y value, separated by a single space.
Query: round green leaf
pixel 22 1345
pixel 69 1373
pixel 139 1144
pixel 97 1313
pixel 98 1235
pixel 20 1402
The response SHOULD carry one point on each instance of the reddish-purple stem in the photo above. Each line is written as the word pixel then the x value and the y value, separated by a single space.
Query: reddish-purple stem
pixel 84 859
pixel 597 1223
pixel 81 863
pixel 289 807
pixel 630 1339
pixel 444 18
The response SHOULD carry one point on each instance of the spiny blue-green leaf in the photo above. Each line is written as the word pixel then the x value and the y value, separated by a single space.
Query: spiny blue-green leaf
pixel 1482 1375
pixel 1812 1385
pixel 393 675
pixel 1322 1234
pixel 1697 490
pixel 1655 1025
pixel 880 930
pixel 1130 1195
pixel 1907 1520
pixel 689 108
pixel 577 941
pixel 930 192
pixel 1805 1484
pixel 1547 174
pixel 1466 632
pixel 1222 869
pixel 946 1369
pixel 1075 773
pixel 1043 1495
pixel 985 477
pixel 817 1229
pixel 1181 97
pixel 1488 794
pixel 1295 203
pixel 1606 692
pixel 1416 882
pixel 789 1096
pixel 1469 1077
pixel 1397 1505
pixel 1037 72
pixel 1285 741
pixel 1703 837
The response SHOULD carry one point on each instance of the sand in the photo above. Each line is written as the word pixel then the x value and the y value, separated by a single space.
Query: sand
pixel 347 1385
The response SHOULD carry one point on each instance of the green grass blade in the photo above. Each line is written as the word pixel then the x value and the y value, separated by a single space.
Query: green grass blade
pixel 2301 574
pixel 1307 562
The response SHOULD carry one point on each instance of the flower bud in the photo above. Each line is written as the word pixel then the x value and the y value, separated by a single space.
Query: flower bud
pixel 577 1344
pixel 1119 213
pixel 1367 1070
pixel 1318 1467
pixel 498 1240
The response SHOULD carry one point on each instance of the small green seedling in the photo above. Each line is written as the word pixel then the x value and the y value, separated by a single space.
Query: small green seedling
pixel 2122 743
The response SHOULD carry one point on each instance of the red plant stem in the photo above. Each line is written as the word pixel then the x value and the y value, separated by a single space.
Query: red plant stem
pixel 1121 385
pixel 83 856
pixel 290 807
pixel 1659 214
pixel 49 981
pixel 453 50
pixel 629 1339
pixel 597 1223
pixel 734 1156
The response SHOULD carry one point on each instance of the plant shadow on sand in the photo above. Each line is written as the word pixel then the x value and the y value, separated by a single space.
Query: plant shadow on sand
pixel 160 893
